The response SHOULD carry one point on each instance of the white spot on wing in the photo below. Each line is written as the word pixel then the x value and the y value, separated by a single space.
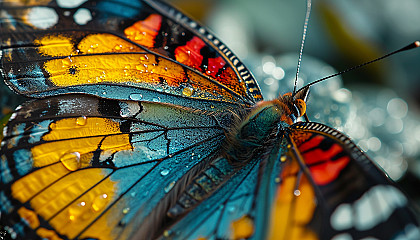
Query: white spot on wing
pixel 410 232
pixel 70 3
pixel 105 155
pixel 366 218
pixel 42 17
pixel 129 109
pixel 342 217
pixel 388 197
pixel 4 132
pixel 374 207
pixel 342 236
pixel 82 16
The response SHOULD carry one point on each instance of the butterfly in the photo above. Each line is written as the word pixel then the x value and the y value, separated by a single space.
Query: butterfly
pixel 146 126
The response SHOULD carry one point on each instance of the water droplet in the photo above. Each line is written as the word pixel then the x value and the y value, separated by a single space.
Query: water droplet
pixel 138 37
pixel 169 187
pixel 231 209
pixel 164 172
pixel 283 158
pixel 277 180
pixel 167 233
pixel 71 161
pixel 100 202
pixel 136 96
pixel 187 91
pixel 145 57
pixel 118 47
pixel 133 194
pixel 127 66
pixel 66 62
pixel 81 121
pixel 140 67
pixel 77 211
pixel 156 99
pixel 126 210
pixel 296 192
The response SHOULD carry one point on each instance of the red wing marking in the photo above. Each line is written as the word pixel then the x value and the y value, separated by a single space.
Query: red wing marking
pixel 312 143
pixel 215 64
pixel 190 53
pixel 322 163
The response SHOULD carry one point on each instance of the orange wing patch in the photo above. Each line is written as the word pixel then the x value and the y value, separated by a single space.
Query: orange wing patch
pixel 242 228
pixel 293 206
pixel 144 32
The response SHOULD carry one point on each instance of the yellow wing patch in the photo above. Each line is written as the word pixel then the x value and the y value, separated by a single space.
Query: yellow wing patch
pixel 242 228
pixel 293 207
pixel 66 198
pixel 55 46
pixel 103 43
pixel 74 140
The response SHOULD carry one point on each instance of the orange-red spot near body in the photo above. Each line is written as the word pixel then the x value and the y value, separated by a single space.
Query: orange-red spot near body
pixel 324 168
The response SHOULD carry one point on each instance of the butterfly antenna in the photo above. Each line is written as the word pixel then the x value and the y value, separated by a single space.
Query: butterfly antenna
pixel 302 44
pixel 408 47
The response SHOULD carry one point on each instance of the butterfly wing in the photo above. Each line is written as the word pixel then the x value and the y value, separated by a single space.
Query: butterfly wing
pixel 313 184
pixel 81 166
pixel 331 189
pixel 76 166
pixel 240 207
pixel 135 50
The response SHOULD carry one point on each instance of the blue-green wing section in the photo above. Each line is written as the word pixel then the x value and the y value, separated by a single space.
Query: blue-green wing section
pixel 77 166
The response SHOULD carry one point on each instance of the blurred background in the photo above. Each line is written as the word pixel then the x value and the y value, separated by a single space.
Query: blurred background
pixel 377 106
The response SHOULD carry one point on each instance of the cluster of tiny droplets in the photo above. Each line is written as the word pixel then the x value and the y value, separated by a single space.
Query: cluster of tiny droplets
pixel 376 119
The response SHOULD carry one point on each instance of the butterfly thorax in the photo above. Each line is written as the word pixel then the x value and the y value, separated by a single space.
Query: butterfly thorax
pixel 264 122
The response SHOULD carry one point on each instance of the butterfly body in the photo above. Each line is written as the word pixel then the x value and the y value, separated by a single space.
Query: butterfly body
pixel 147 126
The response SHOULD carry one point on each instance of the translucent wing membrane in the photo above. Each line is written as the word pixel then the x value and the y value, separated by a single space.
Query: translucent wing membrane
pixel 79 166
pixel 135 50
pixel 330 189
